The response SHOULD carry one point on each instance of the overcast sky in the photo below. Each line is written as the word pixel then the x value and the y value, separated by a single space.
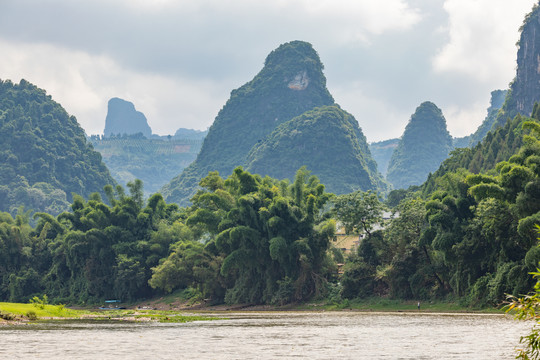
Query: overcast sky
pixel 178 60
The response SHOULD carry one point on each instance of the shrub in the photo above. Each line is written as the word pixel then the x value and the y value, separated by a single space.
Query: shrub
pixel 31 315
pixel 39 303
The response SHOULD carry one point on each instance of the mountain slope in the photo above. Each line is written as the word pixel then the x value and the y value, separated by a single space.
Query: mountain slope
pixel 44 155
pixel 328 141
pixel 425 143
pixel 525 88
pixel 290 83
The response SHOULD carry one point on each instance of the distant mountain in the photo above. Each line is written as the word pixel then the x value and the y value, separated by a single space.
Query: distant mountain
pixel 122 118
pixel 290 83
pixel 44 155
pixel 328 141
pixel 190 134
pixel 461 142
pixel 382 152
pixel 495 104
pixel 155 161
pixel 525 89
pixel 425 143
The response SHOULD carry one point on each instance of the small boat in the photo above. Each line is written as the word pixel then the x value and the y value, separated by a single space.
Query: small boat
pixel 112 305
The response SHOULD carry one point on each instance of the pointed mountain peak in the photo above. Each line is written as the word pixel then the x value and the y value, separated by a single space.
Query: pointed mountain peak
pixel 122 118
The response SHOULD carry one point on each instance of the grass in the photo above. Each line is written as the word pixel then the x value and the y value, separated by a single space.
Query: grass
pixel 18 312
pixel 48 311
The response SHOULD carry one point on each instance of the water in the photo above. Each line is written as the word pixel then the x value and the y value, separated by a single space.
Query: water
pixel 286 335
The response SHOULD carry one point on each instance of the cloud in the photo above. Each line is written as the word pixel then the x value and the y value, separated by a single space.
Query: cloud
pixel 178 60
pixel 84 83
pixel 482 37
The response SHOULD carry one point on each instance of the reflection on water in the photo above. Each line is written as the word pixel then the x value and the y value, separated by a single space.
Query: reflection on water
pixel 326 335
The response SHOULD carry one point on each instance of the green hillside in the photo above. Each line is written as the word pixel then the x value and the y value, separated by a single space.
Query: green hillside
pixel 44 155
pixel 328 141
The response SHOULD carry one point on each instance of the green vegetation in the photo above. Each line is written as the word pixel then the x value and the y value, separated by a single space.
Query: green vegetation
pixel 290 83
pixel 423 146
pixel 154 161
pixel 461 236
pixel 19 311
pixel 267 241
pixel 245 239
pixel 328 141
pixel 38 312
pixel 44 155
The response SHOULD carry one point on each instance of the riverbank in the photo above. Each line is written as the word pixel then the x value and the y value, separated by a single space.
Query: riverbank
pixel 178 301
pixel 176 307
pixel 17 313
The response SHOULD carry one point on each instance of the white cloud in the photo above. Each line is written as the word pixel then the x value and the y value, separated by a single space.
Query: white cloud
pixel 84 83
pixel 482 34
pixel 459 118
pixel 376 117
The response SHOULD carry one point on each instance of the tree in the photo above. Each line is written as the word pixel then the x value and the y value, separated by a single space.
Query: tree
pixel 359 211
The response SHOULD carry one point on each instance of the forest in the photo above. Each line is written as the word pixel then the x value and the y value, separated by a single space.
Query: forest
pixel 465 235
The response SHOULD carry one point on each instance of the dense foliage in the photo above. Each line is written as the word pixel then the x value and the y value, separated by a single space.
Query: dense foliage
pixel 472 238
pixel 423 146
pixel 246 239
pixel 328 141
pixel 95 251
pixel 155 161
pixel 290 83
pixel 44 155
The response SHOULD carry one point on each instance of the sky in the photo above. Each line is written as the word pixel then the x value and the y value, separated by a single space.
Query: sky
pixel 178 60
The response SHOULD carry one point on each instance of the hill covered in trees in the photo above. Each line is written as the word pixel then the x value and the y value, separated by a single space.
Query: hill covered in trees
pixel 328 141
pixel 423 146
pixel 290 83
pixel 44 155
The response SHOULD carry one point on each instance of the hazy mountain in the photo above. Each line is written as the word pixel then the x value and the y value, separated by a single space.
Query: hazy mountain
pixel 190 134
pixel 425 143
pixel 382 151
pixel 122 118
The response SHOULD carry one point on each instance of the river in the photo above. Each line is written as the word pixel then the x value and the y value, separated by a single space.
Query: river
pixel 274 335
